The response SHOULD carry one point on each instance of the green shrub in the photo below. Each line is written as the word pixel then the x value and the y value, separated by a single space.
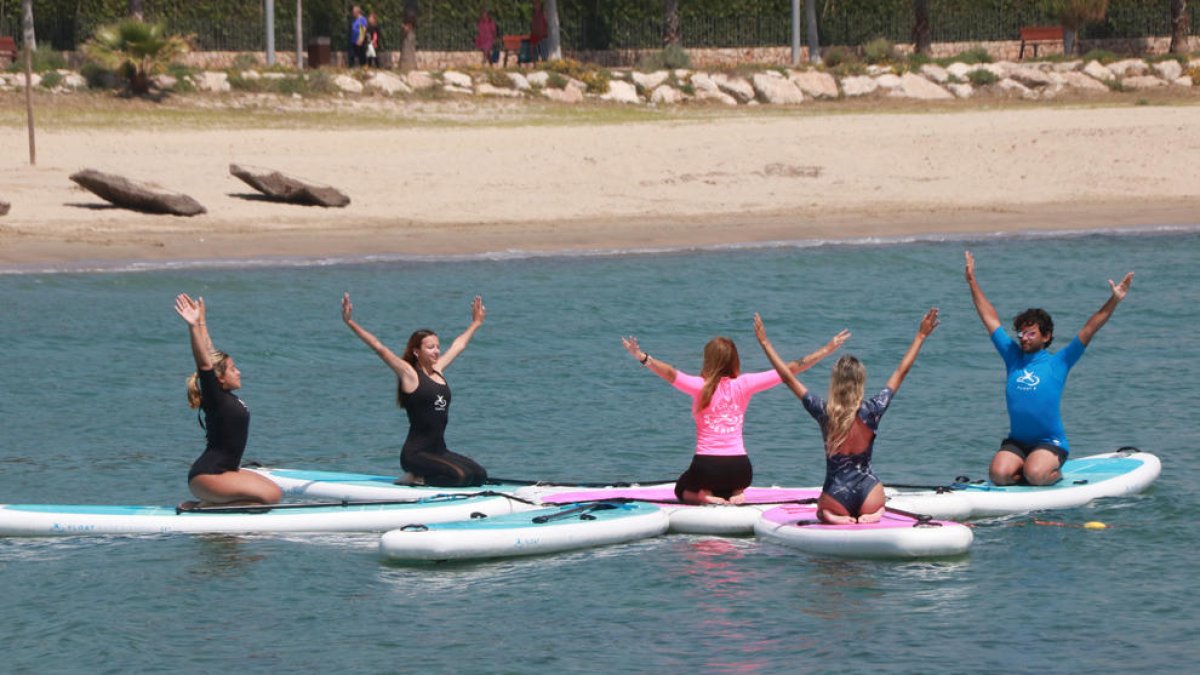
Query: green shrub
pixel 879 50
pixel 1101 55
pixel 497 78
pixel 982 77
pixel 837 56
pixel 973 55
pixel 44 59
pixel 556 81
pixel 671 57
pixel 98 77
pixel 52 79
pixel 244 62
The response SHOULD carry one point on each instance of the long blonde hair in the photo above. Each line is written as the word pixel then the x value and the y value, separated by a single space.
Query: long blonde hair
pixel 193 382
pixel 846 386
pixel 720 360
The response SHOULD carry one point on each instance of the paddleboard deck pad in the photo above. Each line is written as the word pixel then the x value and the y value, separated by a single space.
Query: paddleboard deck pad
pixel 537 532
pixel 894 536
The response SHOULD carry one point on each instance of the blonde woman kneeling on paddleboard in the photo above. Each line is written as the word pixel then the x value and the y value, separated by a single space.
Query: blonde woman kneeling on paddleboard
pixel 852 493
pixel 217 477
pixel 720 470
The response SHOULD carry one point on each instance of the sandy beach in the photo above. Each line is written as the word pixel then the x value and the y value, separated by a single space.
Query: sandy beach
pixel 453 189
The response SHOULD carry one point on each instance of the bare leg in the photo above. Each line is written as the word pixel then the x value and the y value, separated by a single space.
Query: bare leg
pixel 701 497
pixel 873 506
pixel 1007 468
pixel 234 487
pixel 1042 468
pixel 830 510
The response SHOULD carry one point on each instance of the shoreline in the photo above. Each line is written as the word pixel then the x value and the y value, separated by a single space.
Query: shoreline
pixel 631 186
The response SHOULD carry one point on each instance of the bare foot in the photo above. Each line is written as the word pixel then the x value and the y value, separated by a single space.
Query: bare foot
pixel 409 479
pixel 834 518
pixel 871 517
pixel 188 505
pixel 738 498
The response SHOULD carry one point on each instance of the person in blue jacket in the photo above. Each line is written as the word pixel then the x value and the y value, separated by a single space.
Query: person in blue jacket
pixel 1036 446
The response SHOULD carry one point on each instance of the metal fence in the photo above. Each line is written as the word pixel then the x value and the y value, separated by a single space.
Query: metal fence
pixel 951 23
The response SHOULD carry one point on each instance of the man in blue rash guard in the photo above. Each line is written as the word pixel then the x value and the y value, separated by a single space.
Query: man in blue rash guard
pixel 1036 446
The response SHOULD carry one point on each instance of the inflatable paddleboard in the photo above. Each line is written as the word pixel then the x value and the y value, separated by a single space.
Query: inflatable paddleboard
pixel 541 531
pixel 720 519
pixel 1114 474
pixel 48 520
pixel 337 485
pixel 894 536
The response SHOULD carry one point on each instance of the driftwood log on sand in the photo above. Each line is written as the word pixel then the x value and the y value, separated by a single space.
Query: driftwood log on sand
pixel 289 188
pixel 137 196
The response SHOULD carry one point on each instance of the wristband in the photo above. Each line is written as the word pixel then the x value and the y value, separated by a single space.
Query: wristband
pixel 644 359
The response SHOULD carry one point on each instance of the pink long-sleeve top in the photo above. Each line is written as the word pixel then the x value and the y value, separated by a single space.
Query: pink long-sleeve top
pixel 719 426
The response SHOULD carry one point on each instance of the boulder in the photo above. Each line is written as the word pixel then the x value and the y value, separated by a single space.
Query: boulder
pixel 1085 83
pixel 1185 81
pixel 564 95
pixel 4 207
pixel 1030 77
pixel 488 89
pixel 1098 71
pixel 1067 66
pixel 539 78
pixel 347 84
pixel 388 83
pixel 1128 67
pixel 650 81
pixel 859 85
pixel 666 94
pixel 1011 86
pixel 1142 82
pixel 420 80
pixel 961 89
pixel 735 86
pixel 704 83
pixel 772 88
pixel 210 80
pixel 718 96
pixel 143 197
pixel 621 91
pixel 888 81
pixel 285 188
pixel 519 81
pixel 457 79
pixel 915 86
pixel 1169 70
pixel 815 83
pixel 73 80
pixel 935 73
pixel 960 70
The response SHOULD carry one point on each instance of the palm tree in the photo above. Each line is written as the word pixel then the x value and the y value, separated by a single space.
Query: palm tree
pixel 137 49
pixel 671 34
pixel 922 33
pixel 1074 14
pixel 1179 27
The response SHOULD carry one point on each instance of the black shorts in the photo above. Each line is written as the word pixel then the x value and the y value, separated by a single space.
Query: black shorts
pixel 720 474
pixel 1022 450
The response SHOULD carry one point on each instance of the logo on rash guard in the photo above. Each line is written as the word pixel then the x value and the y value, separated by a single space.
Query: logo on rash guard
pixel 1028 380
pixel 723 417
pixel 440 403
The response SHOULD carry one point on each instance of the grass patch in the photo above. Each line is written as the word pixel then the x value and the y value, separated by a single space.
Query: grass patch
pixel 981 77
pixel 969 57
pixel 1102 55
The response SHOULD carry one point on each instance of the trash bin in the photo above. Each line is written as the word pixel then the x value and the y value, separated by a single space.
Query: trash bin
pixel 319 52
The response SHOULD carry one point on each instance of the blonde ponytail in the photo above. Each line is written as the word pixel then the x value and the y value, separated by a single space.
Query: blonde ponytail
pixel 846 386
pixel 193 380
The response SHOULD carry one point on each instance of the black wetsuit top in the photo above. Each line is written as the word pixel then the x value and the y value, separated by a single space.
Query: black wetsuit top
pixel 425 454
pixel 428 408
pixel 226 424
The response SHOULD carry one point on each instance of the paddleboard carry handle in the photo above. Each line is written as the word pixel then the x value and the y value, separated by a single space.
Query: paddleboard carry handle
pixel 417 527
pixel 582 510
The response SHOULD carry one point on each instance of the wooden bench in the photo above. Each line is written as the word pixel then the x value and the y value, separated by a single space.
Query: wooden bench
pixel 512 45
pixel 1035 35
pixel 8 48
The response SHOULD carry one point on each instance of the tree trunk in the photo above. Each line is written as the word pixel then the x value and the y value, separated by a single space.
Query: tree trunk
pixel 1179 27
pixel 27 24
pixel 135 10
pixel 671 23
pixel 408 44
pixel 814 41
pixel 554 39
pixel 1069 40
pixel 30 45
pixel 922 32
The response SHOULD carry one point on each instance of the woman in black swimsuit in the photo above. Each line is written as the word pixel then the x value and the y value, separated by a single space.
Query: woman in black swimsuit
pixel 217 477
pixel 423 393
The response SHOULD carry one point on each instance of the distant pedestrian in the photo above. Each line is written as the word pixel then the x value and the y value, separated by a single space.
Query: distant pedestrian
pixel 373 40
pixel 485 36
pixel 357 54
pixel 538 31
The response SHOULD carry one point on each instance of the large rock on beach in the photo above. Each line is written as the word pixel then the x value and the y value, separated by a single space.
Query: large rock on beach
pixel 214 81
pixel 1030 77
pixel 621 91
pixel 718 96
pixel 285 188
pixel 859 85
pixel 1128 68
pixel 666 95
pixel 1142 82
pixel 564 95
pixel 144 197
pixel 917 87
pixel 961 89
pixel 347 84
pixel 1011 86
pixel 1168 70
pixel 1084 83
pixel 1185 81
pixel 815 83
pixel 889 81
pixel 736 87
pixel 488 89
pixel 935 73
pixel 1098 71
pixel 650 81
pixel 420 80
pixel 773 88
pixel 519 81
pixel 539 78
pixel 457 79
pixel 388 83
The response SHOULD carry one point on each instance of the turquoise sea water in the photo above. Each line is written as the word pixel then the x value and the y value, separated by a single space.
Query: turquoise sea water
pixel 92 410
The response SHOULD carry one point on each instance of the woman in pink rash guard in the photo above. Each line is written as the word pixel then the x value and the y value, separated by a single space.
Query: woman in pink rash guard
pixel 720 471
